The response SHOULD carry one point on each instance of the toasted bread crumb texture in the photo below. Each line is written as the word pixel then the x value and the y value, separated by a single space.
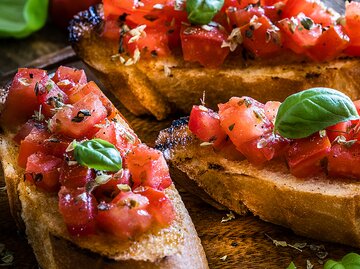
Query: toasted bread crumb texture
pixel 319 208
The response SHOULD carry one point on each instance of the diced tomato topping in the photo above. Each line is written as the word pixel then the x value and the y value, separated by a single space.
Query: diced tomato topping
pixel 49 96
pixel 312 9
pixel 160 207
pixel 148 168
pixel 205 124
pixel 21 101
pixel 243 119
pixel 204 45
pixel 305 155
pixel 299 33
pixel 80 91
pixel 261 37
pixel 26 128
pixel 271 109
pixel 340 129
pixel 66 78
pixel 241 17
pixel 154 42
pixel 122 137
pixel 352 22
pixel 33 142
pixel 75 176
pixel 343 161
pixel 40 140
pixel 271 2
pixel 265 148
pixel 79 209
pixel 329 45
pixel 78 121
pixel 107 192
pixel 42 170
pixel 126 216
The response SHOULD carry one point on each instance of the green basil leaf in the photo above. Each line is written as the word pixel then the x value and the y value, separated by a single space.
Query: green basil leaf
pixel 309 111
pixel 20 18
pixel 349 261
pixel 291 266
pixel 202 11
pixel 98 154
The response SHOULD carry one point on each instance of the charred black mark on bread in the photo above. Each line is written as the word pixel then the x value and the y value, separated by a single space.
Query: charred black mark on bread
pixel 169 137
pixel 311 75
pixel 215 166
pixel 84 21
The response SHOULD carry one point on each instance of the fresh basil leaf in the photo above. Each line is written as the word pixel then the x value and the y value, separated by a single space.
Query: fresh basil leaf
pixel 309 111
pixel 202 11
pixel 349 261
pixel 20 18
pixel 291 266
pixel 98 154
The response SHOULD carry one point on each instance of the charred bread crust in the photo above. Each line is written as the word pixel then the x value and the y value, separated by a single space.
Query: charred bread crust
pixel 144 88
pixel 177 246
pixel 320 208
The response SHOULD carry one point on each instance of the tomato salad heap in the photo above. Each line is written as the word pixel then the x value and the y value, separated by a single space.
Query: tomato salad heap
pixel 77 144
pixel 208 30
pixel 315 131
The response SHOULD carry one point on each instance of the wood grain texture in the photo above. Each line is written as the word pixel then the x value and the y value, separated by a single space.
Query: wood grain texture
pixel 243 240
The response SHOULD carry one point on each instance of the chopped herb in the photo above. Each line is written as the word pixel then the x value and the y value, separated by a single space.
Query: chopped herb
pixel 342 141
pixel 124 187
pixel 231 127
pixel 282 243
pixel 122 17
pixel 6 256
pixel 322 133
pixel 205 144
pixel 307 23
pixel 154 53
pixel 309 265
pixel 24 81
pixel 249 33
pixel 229 216
pixel 38 116
pixel 80 116
pixel 223 258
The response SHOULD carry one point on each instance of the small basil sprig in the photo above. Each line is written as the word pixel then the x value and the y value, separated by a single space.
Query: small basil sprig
pixel 202 11
pixel 349 261
pixel 98 154
pixel 307 112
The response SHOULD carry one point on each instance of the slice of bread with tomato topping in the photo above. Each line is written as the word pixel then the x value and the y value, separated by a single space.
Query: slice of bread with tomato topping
pixel 76 214
pixel 161 85
pixel 315 192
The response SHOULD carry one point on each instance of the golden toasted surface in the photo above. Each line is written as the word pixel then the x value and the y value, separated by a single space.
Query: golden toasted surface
pixel 321 208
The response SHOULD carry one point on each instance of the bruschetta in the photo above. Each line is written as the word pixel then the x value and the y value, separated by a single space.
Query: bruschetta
pixel 294 164
pixel 87 191
pixel 156 60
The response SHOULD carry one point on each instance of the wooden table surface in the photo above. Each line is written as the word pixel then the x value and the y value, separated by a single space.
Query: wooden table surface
pixel 245 242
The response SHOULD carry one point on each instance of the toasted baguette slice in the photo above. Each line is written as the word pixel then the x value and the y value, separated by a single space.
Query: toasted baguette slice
pixel 320 208
pixel 177 246
pixel 145 88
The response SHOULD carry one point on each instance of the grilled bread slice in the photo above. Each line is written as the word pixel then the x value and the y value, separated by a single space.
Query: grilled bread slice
pixel 318 207
pixel 161 86
pixel 177 246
